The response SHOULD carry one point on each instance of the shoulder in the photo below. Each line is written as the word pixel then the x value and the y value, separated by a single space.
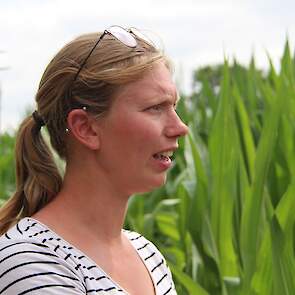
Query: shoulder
pixel 17 255
pixel 27 264
pixel 154 261
pixel 142 244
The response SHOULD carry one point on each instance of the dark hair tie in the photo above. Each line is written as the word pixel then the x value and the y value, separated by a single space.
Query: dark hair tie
pixel 38 119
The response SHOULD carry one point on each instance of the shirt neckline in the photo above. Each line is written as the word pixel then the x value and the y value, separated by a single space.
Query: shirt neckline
pixel 91 260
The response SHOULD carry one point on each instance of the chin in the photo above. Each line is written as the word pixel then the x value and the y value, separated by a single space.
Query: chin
pixel 151 185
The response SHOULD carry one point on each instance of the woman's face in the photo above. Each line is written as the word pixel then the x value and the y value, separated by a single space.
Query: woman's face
pixel 140 132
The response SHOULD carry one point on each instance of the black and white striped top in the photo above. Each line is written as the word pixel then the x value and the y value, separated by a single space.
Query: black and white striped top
pixel 35 260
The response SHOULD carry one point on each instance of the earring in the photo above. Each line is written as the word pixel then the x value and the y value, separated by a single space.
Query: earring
pixel 84 108
pixel 67 130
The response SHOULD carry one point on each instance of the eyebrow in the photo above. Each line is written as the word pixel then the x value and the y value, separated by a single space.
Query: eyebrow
pixel 169 95
pixel 174 97
pixel 164 99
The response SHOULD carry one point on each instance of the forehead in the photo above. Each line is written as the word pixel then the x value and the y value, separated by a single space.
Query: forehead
pixel 156 83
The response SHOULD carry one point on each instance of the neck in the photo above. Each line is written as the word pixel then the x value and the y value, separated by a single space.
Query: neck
pixel 87 209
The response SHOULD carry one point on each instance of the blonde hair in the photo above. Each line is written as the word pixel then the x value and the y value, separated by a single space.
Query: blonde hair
pixel 110 66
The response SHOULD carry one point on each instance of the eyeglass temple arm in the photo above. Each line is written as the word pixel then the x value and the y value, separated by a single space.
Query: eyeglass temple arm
pixel 69 92
pixel 85 60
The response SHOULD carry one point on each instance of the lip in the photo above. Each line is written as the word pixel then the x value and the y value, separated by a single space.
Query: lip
pixel 162 166
pixel 172 148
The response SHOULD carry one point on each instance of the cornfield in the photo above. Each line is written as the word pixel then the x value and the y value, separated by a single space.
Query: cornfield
pixel 224 220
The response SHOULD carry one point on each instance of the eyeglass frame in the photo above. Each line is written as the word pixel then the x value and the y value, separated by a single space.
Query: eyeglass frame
pixel 106 32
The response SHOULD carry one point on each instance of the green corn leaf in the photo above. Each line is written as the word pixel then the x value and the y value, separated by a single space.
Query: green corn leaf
pixel 192 287
pixel 247 141
pixel 224 158
pixel 251 219
pixel 284 266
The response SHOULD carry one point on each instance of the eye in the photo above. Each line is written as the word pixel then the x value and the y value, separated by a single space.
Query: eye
pixel 155 108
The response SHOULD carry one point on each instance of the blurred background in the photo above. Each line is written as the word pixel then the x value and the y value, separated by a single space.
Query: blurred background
pixel 193 32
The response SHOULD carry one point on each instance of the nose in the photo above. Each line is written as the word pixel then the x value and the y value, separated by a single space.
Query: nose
pixel 175 127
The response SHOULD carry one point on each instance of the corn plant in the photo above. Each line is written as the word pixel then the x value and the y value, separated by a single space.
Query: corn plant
pixel 7 175
pixel 224 220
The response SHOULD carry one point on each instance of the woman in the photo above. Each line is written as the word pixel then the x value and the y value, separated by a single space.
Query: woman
pixel 108 103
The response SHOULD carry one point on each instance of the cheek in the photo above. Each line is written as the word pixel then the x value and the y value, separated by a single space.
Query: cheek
pixel 140 132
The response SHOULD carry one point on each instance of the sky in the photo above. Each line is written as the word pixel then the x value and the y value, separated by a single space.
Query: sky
pixel 194 33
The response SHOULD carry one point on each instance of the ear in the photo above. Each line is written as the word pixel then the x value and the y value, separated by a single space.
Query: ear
pixel 83 128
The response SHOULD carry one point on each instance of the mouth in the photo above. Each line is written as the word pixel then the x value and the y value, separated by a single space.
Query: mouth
pixel 164 156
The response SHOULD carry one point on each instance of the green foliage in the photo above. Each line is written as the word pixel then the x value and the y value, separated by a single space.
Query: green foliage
pixel 224 219
pixel 7 174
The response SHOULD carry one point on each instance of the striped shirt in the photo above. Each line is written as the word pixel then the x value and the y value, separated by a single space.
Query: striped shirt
pixel 35 260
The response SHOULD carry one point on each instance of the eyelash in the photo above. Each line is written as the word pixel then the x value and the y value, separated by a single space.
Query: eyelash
pixel 159 107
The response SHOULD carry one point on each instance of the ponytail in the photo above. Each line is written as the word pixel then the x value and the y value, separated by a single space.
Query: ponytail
pixel 37 177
